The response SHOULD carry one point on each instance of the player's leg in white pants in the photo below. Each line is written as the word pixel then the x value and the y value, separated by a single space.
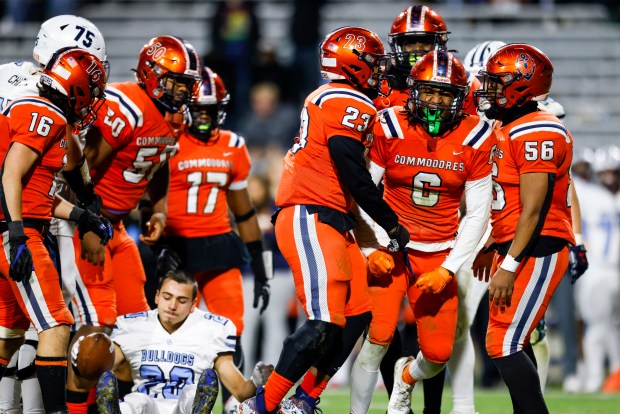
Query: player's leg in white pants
pixel 9 390
pixel 251 320
pixel 31 390
pixel 541 352
pixel 364 375
pixel 597 297
pixel 275 318
pixel 462 361
pixel 138 403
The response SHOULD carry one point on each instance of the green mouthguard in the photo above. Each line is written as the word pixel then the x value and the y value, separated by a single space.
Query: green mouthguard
pixel 432 117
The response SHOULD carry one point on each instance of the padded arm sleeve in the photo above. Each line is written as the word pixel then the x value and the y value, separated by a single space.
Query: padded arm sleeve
pixel 348 157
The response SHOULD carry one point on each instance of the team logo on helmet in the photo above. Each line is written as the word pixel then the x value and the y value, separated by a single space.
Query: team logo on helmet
pixel 525 66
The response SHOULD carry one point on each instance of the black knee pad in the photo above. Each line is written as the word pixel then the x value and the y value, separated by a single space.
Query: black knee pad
pixel 356 325
pixel 306 346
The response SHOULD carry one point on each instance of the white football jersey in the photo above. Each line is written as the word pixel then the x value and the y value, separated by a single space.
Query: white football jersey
pixel 600 224
pixel 18 79
pixel 162 363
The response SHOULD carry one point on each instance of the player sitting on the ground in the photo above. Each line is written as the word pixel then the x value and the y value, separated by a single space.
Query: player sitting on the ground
pixel 176 353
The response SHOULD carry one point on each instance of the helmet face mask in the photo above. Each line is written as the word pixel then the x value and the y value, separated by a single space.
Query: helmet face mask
pixel 437 89
pixel 514 75
pixel 415 32
pixel 208 109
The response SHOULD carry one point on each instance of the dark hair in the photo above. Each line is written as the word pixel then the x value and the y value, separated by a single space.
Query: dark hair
pixel 181 277
pixel 58 99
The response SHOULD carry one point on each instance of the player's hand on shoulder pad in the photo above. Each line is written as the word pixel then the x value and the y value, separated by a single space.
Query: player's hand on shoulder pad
pixel 399 237
pixel 261 373
pixel 434 281
pixel 577 262
pixel 380 263
pixel 75 350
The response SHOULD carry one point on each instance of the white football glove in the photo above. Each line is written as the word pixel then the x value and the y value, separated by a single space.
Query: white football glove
pixel 75 349
pixel 261 373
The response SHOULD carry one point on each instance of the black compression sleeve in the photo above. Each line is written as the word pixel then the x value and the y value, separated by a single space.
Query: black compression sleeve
pixel 348 157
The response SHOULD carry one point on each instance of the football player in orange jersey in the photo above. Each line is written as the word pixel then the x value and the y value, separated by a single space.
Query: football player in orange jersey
pixel 429 154
pixel 207 177
pixel 323 175
pixel 70 88
pixel 415 31
pixel 531 212
pixel 127 149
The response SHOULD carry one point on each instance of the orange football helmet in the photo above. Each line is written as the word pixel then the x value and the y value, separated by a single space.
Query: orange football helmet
pixel 74 80
pixel 169 71
pixel 416 24
pixel 208 109
pixel 433 80
pixel 515 74
pixel 353 54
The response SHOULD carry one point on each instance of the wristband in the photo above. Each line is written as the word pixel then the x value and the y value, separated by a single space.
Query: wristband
pixel 75 214
pixel 578 239
pixel 509 263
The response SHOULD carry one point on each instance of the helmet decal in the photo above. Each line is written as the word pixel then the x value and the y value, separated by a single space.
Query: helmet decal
pixel 525 66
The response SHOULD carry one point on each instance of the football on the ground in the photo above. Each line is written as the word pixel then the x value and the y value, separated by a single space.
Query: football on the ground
pixel 96 355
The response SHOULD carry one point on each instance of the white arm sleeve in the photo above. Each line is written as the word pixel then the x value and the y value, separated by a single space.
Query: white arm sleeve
pixel 478 197
pixel 376 172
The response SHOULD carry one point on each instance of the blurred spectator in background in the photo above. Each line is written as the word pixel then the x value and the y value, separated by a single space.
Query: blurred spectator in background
pixel 305 32
pixel 267 68
pixel 235 33
pixel 270 125
pixel 22 11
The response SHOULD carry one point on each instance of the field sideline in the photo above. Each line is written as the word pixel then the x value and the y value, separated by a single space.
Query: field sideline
pixel 497 401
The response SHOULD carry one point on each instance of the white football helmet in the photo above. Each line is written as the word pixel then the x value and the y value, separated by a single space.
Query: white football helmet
pixel 68 30
pixel 477 58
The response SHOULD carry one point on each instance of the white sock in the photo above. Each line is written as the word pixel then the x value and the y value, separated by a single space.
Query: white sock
pixel 364 376
pixel 461 366
pixel 421 368
pixel 9 390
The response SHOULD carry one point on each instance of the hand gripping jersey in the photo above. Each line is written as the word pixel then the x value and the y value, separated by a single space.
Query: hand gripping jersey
pixel 142 140
pixel 18 79
pixel 200 177
pixel 40 125
pixel 163 363
pixel 537 142
pixel 424 186
pixel 308 173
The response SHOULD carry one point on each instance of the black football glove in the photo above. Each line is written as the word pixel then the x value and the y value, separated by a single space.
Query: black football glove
pixel 261 283
pixel 21 266
pixel 167 261
pixel 399 237
pixel 88 221
pixel 93 204
pixel 577 262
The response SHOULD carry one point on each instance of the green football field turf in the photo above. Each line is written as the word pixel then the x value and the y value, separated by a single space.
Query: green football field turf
pixel 336 401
